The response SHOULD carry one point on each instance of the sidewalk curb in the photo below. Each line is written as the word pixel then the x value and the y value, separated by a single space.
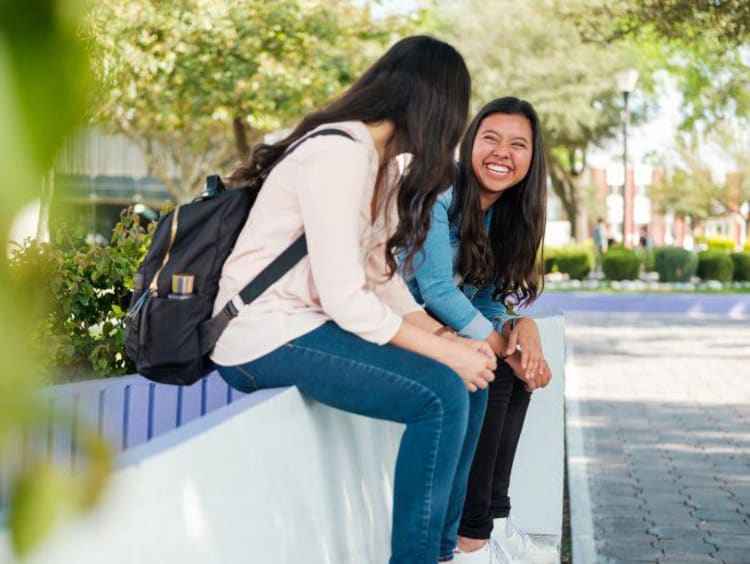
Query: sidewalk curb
pixel 581 522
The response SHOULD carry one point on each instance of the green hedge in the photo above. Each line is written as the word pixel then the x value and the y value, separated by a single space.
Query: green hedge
pixel 675 264
pixel 576 262
pixel 741 262
pixel 716 243
pixel 621 264
pixel 715 265
pixel 647 258
pixel 84 291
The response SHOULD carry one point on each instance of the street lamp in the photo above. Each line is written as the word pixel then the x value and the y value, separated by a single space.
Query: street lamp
pixel 626 80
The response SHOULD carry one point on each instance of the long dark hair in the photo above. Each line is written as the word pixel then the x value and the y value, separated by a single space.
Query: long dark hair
pixel 510 257
pixel 422 85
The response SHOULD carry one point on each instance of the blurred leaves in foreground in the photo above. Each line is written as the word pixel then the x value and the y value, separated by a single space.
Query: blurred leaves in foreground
pixel 44 79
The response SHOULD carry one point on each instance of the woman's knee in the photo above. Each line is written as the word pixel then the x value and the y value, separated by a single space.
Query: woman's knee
pixel 451 397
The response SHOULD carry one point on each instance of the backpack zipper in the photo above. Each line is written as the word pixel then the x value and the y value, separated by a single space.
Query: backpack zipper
pixel 154 286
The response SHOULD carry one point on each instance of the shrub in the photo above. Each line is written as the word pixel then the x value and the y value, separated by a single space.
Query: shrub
pixel 675 264
pixel 716 243
pixel 647 258
pixel 550 258
pixel 576 262
pixel 84 291
pixel 620 264
pixel 741 262
pixel 715 265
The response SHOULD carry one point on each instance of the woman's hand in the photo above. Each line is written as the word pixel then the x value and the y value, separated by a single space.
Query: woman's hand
pixel 526 334
pixel 474 362
pixel 477 345
pixel 474 344
pixel 532 383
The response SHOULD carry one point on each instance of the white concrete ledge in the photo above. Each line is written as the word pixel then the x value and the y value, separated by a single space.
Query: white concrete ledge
pixel 276 478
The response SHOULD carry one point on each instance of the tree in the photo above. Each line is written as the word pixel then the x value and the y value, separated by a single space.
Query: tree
pixel 692 188
pixel 727 21
pixel 196 83
pixel 704 44
pixel 526 49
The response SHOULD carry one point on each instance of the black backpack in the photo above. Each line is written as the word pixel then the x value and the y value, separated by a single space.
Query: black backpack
pixel 169 331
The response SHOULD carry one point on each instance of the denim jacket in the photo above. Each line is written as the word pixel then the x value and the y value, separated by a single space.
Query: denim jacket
pixel 434 282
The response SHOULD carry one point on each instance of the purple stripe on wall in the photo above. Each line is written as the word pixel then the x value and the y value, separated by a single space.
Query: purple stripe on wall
pixel 735 305
pixel 125 411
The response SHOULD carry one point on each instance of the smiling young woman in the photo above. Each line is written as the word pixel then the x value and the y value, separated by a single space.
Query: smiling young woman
pixel 481 254
pixel 501 156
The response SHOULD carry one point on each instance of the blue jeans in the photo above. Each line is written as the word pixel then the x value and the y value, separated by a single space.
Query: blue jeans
pixel 339 369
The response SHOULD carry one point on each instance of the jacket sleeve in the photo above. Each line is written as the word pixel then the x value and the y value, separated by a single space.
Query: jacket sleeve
pixel 331 192
pixel 493 310
pixel 434 274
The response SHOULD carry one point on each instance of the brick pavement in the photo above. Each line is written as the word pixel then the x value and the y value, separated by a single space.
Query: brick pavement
pixel 664 408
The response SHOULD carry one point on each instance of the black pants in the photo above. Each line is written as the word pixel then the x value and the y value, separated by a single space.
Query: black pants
pixel 489 478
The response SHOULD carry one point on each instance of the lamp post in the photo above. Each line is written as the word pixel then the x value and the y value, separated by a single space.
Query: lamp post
pixel 626 80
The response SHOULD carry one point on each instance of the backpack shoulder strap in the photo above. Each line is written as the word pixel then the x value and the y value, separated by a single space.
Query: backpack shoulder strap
pixel 211 330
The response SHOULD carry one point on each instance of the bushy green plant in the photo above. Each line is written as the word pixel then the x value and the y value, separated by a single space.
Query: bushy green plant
pixel 741 262
pixel 85 291
pixel 647 258
pixel 550 258
pixel 576 262
pixel 675 264
pixel 715 265
pixel 621 264
pixel 716 243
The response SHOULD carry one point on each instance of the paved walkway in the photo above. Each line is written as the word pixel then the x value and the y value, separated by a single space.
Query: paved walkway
pixel 658 438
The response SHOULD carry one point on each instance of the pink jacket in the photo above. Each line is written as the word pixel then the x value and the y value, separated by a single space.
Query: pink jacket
pixel 325 187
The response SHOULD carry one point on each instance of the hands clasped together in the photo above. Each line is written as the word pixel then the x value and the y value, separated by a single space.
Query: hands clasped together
pixel 476 362
pixel 525 355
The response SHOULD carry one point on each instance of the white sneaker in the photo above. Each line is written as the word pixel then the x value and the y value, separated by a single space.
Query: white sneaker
pixel 483 555
pixel 518 547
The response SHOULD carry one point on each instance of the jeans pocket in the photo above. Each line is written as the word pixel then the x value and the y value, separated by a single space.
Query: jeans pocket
pixel 238 378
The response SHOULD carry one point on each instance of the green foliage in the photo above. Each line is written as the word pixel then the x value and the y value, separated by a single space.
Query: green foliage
pixel 715 265
pixel 716 243
pixel 85 290
pixel 675 264
pixel 741 262
pixel 620 263
pixel 44 75
pixel 647 258
pixel 725 21
pixel 567 79
pixel 39 102
pixel 692 189
pixel 703 42
pixel 182 78
pixel 576 262
pixel 44 496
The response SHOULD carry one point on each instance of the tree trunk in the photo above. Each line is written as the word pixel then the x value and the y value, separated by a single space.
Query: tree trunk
pixel 562 187
pixel 240 138
pixel 564 179
pixel 45 203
